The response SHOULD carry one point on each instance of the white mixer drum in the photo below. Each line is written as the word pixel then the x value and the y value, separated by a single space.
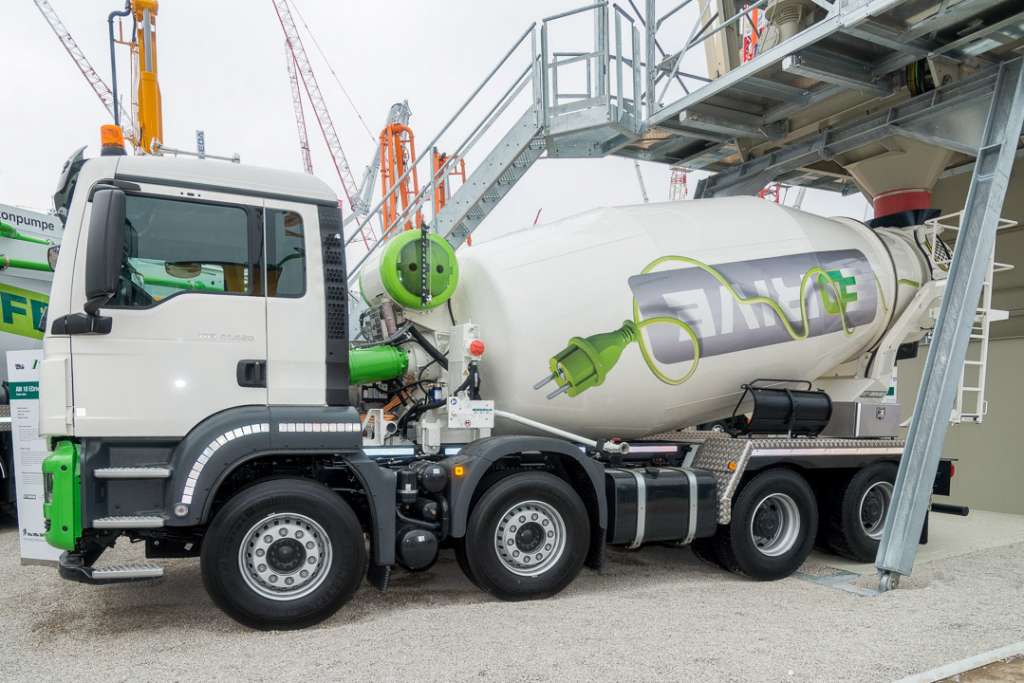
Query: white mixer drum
pixel 649 318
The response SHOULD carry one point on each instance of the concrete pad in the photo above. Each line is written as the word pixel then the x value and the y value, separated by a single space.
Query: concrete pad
pixel 655 614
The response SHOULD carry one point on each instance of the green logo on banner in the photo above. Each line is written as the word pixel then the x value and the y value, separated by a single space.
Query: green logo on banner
pixel 843 284
pixel 24 391
pixel 22 311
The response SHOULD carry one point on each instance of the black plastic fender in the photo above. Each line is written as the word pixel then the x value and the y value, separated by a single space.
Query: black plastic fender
pixel 215 447
pixel 478 457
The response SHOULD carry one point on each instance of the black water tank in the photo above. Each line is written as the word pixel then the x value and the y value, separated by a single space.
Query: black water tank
pixel 788 411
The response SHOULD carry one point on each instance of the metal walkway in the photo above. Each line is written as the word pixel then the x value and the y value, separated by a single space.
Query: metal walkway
pixel 943 72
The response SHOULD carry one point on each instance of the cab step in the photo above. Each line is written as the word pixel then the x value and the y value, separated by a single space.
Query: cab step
pixel 128 522
pixel 127 572
pixel 73 569
pixel 132 473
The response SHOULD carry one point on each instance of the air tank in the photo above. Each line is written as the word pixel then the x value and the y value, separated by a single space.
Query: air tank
pixel 636 320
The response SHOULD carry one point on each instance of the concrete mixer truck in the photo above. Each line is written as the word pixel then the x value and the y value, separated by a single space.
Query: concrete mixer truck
pixel 527 402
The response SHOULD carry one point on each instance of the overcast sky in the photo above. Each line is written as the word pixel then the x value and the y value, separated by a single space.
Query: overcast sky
pixel 222 69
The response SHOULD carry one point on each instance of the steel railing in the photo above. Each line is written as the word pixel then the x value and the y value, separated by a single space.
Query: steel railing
pixel 548 97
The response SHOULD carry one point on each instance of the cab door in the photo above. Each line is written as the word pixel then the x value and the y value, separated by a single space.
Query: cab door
pixel 296 323
pixel 188 335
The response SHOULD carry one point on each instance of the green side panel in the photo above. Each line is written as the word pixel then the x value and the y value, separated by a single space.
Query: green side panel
pixel 62 508
pixel 401 270
pixel 376 364
pixel 21 311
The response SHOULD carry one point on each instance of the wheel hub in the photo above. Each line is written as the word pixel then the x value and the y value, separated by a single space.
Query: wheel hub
pixel 775 525
pixel 530 538
pixel 767 521
pixel 874 505
pixel 285 556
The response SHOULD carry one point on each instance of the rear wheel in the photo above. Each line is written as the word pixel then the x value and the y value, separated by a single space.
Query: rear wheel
pixel 284 554
pixel 773 525
pixel 855 512
pixel 527 537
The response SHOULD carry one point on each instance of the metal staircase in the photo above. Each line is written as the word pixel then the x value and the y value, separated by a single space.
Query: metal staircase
pixel 570 104
pixel 492 180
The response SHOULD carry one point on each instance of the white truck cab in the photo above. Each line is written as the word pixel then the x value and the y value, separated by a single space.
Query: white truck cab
pixel 176 345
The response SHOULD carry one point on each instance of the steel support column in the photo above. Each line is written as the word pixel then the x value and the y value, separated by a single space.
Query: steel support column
pixel 948 348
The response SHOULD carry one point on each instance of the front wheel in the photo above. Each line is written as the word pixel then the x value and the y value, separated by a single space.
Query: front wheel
pixel 773 526
pixel 527 537
pixel 284 554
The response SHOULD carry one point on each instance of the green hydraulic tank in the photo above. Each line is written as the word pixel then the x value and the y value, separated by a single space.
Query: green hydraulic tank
pixel 376 363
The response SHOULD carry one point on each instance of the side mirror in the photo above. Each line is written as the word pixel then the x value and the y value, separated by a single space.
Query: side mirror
pixel 105 248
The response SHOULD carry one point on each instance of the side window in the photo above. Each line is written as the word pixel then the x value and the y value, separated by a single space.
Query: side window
pixel 286 254
pixel 174 246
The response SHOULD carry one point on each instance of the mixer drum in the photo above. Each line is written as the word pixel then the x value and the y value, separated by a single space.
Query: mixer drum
pixel 649 318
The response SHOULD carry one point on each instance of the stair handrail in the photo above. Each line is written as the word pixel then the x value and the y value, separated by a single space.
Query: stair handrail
pixel 428 187
pixel 398 183
pixel 537 73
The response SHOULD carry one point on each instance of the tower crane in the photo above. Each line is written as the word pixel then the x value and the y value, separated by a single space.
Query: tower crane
pixel 395 151
pixel 300 114
pixel 319 105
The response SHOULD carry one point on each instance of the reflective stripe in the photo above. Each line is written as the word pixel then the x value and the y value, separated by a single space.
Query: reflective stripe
pixel 641 508
pixel 691 532
pixel 197 467
pixel 319 427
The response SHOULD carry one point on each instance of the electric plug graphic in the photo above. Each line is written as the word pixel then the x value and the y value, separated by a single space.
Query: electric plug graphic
pixel 585 362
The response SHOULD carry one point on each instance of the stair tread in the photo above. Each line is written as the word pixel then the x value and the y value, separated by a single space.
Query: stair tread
pixel 123 571
pixel 142 472
pixel 128 522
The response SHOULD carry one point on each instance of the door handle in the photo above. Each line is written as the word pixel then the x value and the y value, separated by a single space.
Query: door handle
pixel 251 373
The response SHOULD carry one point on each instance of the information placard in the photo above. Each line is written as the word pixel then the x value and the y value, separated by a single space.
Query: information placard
pixel 29 451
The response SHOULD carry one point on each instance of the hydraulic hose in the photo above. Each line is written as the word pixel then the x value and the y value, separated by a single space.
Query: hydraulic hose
pixel 398 337
pixel 113 61
pixel 428 347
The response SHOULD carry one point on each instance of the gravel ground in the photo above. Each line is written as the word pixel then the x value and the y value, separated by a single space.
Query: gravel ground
pixel 659 613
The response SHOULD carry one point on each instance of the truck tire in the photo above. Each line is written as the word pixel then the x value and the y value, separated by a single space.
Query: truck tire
pixel 527 537
pixel 284 554
pixel 773 526
pixel 460 556
pixel 854 514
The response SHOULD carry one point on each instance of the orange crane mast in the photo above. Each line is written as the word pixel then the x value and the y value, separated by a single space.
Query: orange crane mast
pixel 397 155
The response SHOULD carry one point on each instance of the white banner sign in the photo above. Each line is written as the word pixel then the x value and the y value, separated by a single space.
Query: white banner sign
pixel 29 451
